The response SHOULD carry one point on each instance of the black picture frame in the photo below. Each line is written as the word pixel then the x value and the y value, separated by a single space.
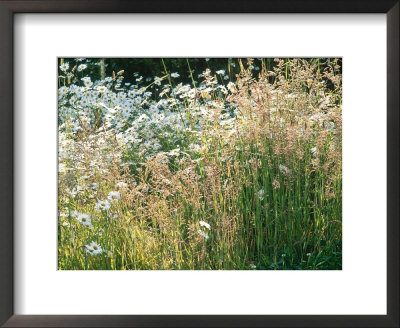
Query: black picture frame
pixel 10 7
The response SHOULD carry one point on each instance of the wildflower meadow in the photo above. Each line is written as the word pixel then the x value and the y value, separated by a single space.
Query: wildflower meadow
pixel 200 164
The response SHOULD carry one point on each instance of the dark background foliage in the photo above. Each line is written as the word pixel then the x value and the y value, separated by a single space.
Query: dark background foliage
pixel 151 67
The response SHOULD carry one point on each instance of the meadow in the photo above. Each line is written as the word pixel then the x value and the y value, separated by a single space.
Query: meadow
pixel 237 167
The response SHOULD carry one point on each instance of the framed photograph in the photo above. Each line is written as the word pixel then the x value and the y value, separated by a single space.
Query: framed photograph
pixel 199 164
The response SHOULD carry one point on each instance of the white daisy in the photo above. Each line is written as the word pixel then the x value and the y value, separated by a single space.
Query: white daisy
pixel 81 67
pixel 85 220
pixel 87 83
pixel 122 184
pixel 231 87
pixel 174 152
pixel 113 196
pixel 175 75
pixel 203 234
pixel 101 88
pixel 64 67
pixel 103 205
pixel 93 248
pixel 284 170
pixel 205 224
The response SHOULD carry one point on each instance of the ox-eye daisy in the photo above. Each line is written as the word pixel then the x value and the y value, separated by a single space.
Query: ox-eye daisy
pixel 203 234
pixel 114 196
pixel 122 184
pixel 81 67
pixel 93 248
pixel 103 205
pixel 64 67
pixel 205 224
pixel 84 219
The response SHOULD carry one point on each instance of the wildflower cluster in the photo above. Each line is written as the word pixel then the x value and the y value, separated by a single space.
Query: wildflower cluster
pixel 221 173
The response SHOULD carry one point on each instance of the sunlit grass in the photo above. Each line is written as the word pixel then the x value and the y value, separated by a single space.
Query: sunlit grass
pixel 244 179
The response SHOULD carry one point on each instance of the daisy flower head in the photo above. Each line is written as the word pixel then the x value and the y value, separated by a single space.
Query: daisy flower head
pixel 284 170
pixel 102 205
pixel 113 196
pixel 175 75
pixel 87 83
pixel 81 67
pixel 76 190
pixel 122 184
pixel 231 87
pixel 205 224
pixel 93 248
pixel 203 234
pixel 63 91
pixel 85 220
pixel 330 126
pixel 64 67
pixel 174 152
pixel 101 88
pixel 157 80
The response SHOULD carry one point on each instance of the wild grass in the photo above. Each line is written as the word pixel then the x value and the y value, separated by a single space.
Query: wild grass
pixel 249 177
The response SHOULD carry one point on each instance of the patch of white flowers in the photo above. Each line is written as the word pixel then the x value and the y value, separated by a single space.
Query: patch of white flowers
pixel 261 194
pixel 203 234
pixel 102 205
pixel 114 196
pixel 205 224
pixel 93 248
pixel 84 219
pixel 284 170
